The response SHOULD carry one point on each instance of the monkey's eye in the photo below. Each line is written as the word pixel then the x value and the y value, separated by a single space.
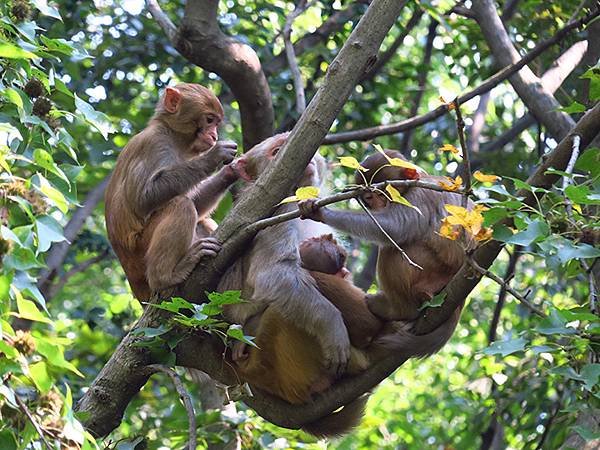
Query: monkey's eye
pixel 275 151
pixel 210 120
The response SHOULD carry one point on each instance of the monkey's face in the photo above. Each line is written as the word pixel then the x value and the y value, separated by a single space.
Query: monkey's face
pixel 194 112
pixel 255 161
pixel 374 201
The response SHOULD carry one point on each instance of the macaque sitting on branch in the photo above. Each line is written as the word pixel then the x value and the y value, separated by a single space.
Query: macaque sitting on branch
pixel 404 287
pixel 160 196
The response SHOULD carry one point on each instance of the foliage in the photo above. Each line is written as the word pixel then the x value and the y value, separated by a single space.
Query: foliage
pixel 78 79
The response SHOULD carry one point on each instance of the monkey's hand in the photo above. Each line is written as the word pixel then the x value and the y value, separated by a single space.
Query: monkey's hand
pixel 222 152
pixel 205 247
pixel 309 210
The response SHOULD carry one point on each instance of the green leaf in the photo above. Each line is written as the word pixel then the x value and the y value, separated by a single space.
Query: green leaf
pixel 57 45
pixel 13 96
pixel 586 433
pixel 555 324
pixel 95 118
pixel 235 331
pixel 589 162
pixel 47 10
pixel 174 305
pixel 55 356
pixel 21 258
pixel 7 440
pixel 505 348
pixel 581 194
pixel 435 302
pixel 150 332
pixel 535 231
pixel 225 298
pixel 28 310
pixel 44 159
pixel 41 378
pixel 48 230
pixel 54 195
pixel 590 374
pixel 10 51
pixel 574 107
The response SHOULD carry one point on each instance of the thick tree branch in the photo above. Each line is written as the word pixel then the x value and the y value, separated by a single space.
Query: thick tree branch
pixel 200 40
pixel 552 79
pixel 408 124
pixel 125 373
pixel 540 102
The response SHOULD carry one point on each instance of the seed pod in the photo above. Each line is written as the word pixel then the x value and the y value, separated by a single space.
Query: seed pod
pixel 42 106
pixel 21 10
pixel 34 88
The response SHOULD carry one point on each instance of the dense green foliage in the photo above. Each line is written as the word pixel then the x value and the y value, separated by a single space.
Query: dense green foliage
pixel 77 79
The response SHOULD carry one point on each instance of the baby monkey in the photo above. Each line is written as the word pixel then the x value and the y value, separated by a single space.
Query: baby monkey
pixel 325 259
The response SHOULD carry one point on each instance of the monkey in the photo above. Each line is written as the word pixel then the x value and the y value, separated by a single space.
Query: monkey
pixel 325 259
pixel 160 196
pixel 404 288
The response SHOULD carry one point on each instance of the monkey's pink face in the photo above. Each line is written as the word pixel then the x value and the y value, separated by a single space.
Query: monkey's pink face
pixel 207 131
pixel 374 201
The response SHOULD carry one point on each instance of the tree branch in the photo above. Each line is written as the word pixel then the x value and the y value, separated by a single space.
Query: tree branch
pixel 408 124
pixel 162 19
pixel 540 102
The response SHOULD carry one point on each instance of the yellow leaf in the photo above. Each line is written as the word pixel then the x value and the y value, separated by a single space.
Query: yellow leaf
pixel 485 178
pixel 456 210
pixel 448 231
pixel 306 192
pixel 485 234
pixel 291 199
pixel 451 185
pixel 398 162
pixel 449 148
pixel 351 162
pixel 379 148
pixel 397 197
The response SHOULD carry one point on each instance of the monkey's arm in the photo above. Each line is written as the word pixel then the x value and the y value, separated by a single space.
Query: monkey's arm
pixel 171 180
pixel 400 222
pixel 207 195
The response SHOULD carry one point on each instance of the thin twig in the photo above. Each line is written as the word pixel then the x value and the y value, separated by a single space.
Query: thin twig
pixel 385 233
pixel 162 19
pixel 569 209
pixel 569 171
pixel 185 398
pixel 77 268
pixel 346 195
pixel 291 56
pixel 36 425
pixel 510 272
pixel 366 134
pixel 460 129
pixel 510 290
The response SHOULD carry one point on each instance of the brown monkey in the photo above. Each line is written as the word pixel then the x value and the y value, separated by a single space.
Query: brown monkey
pixel 404 288
pixel 157 204
pixel 325 259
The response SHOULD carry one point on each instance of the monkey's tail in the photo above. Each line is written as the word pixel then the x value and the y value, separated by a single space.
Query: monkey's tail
pixel 339 422
pixel 423 345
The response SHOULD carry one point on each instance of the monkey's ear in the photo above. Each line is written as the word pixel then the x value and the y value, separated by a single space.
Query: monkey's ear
pixel 172 99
